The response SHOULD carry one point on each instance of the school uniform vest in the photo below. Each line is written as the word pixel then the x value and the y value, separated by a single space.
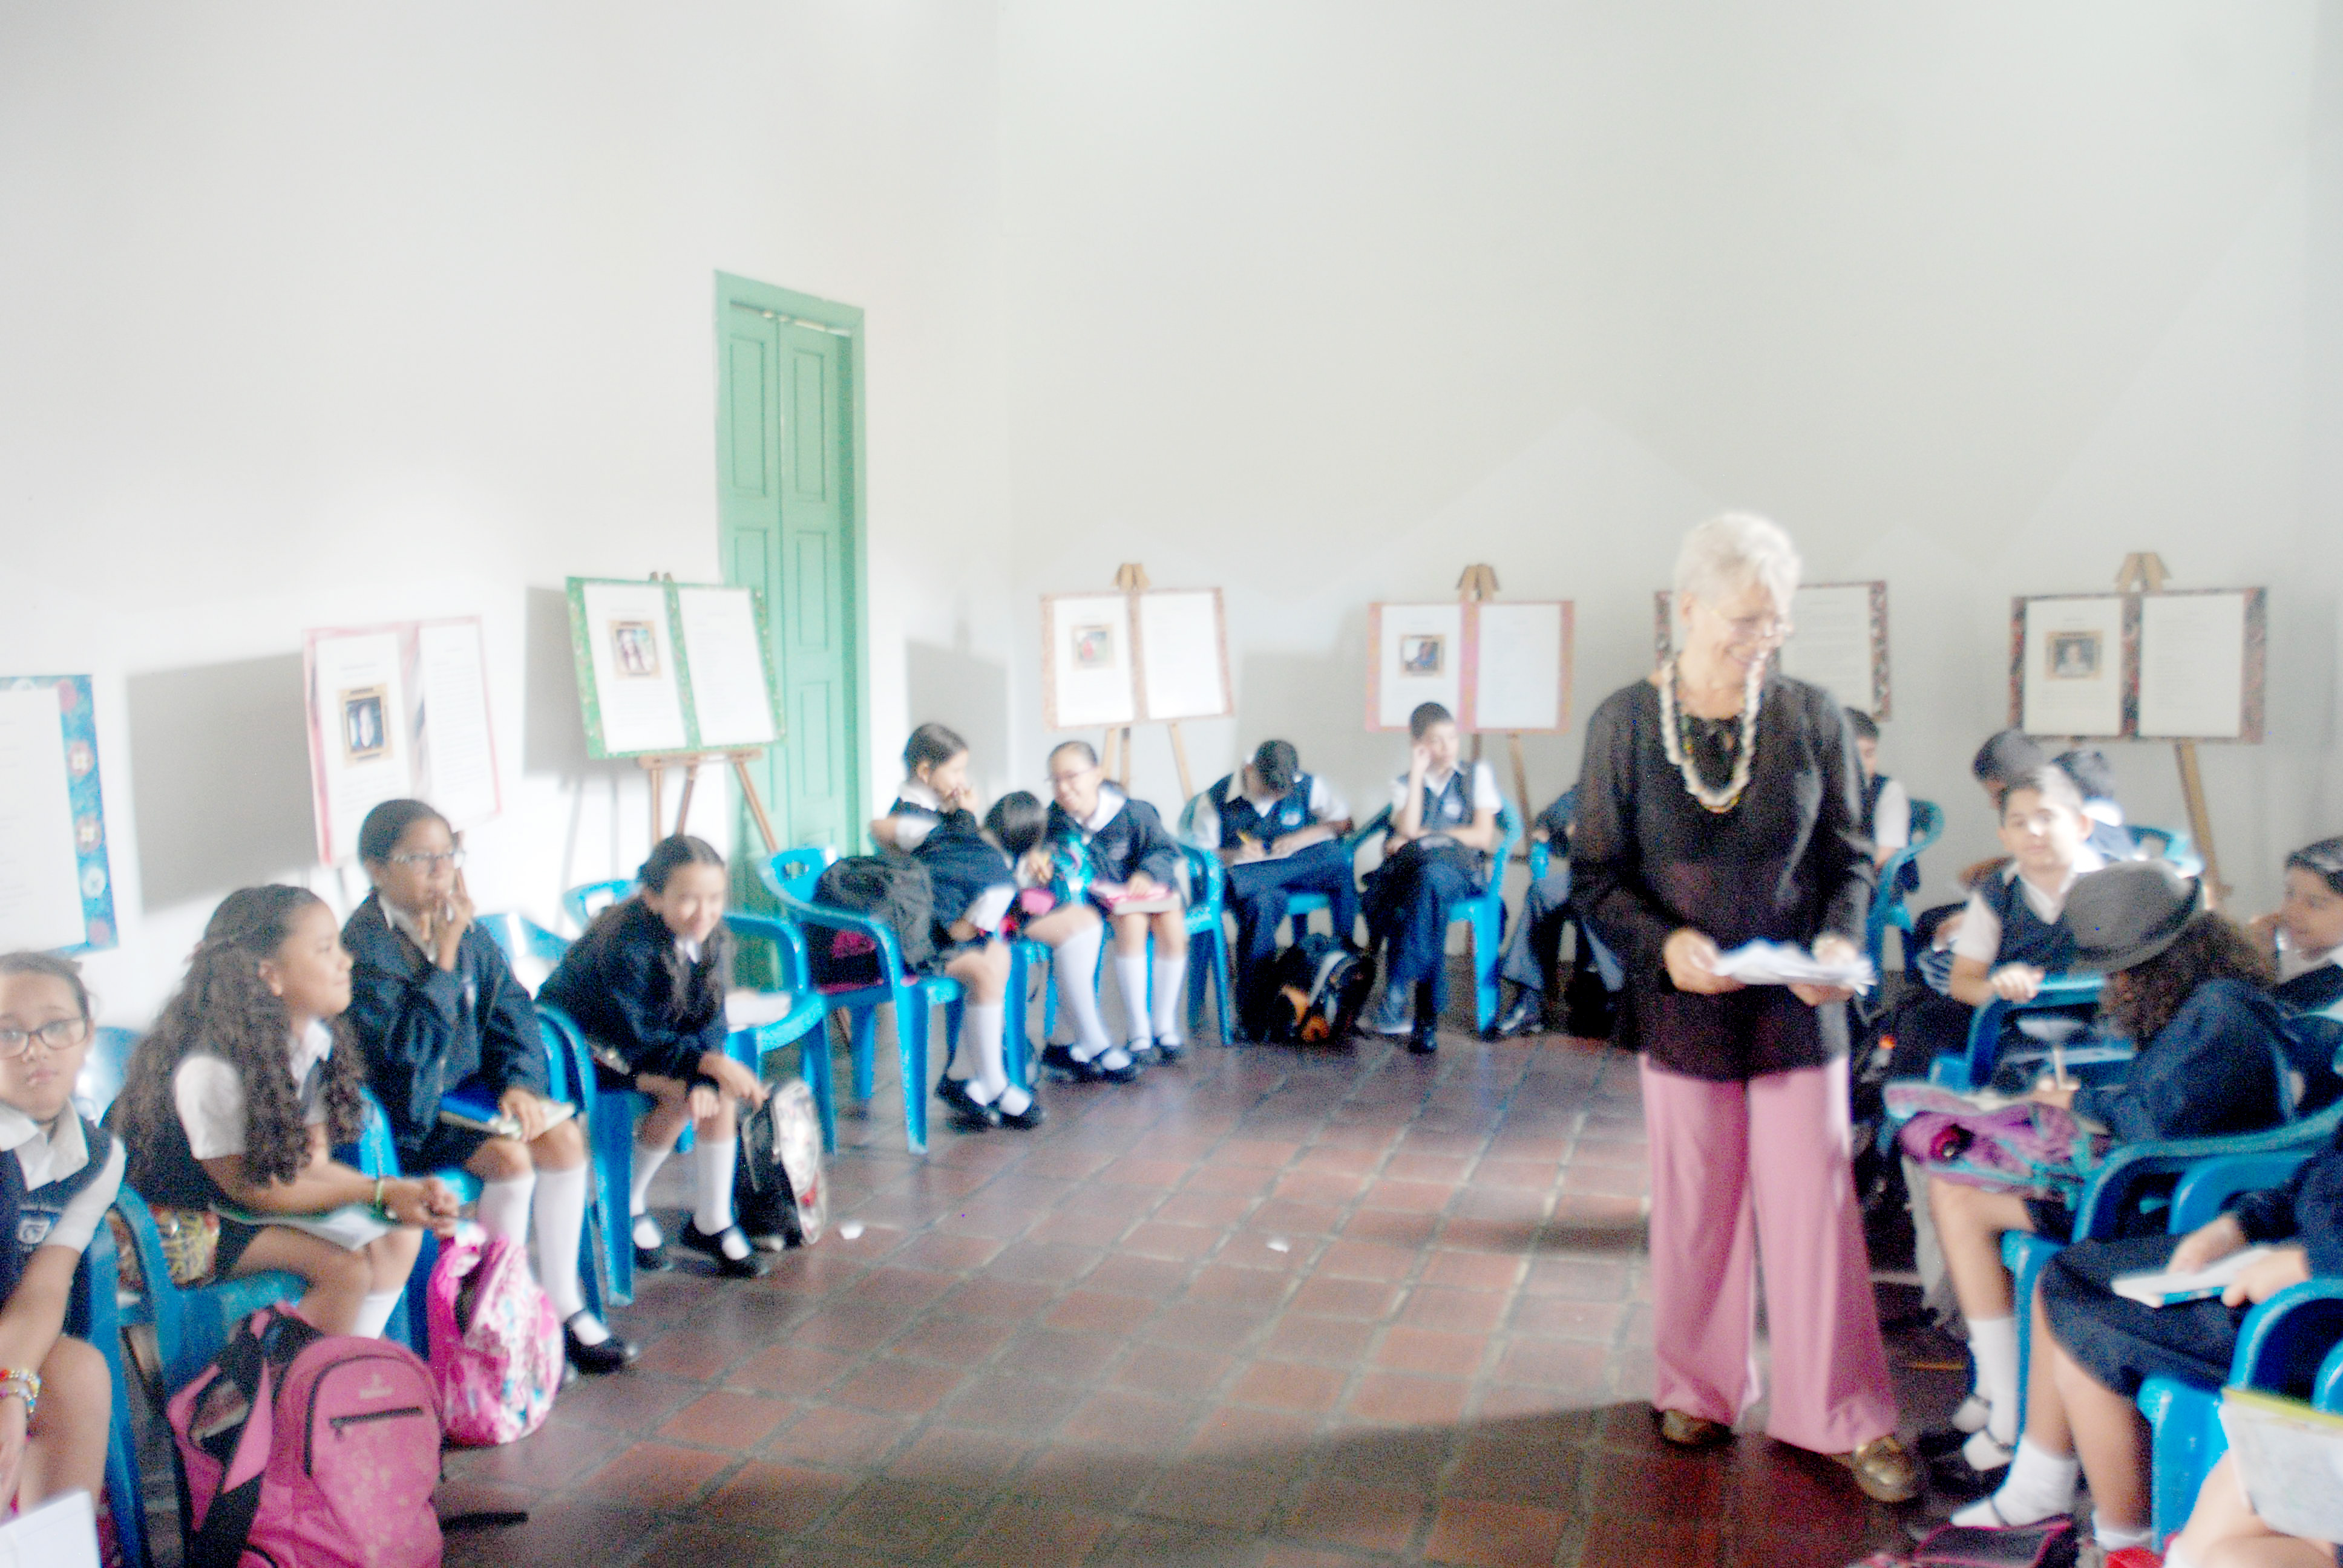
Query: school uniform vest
pixel 1240 817
pixel 1450 806
pixel 2026 937
pixel 39 1208
pixel 1907 878
pixel 961 862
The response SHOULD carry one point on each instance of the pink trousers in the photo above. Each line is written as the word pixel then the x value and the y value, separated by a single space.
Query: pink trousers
pixel 1762 1167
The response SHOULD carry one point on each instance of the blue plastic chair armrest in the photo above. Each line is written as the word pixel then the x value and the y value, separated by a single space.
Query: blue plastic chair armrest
pixel 2127 1164
pixel 788 942
pixel 583 902
pixel 881 935
pixel 2283 1341
pixel 2207 1189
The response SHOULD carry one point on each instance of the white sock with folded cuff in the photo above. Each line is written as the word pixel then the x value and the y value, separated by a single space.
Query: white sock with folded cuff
pixel 1073 969
pixel 1993 1345
pixel 2041 1485
pixel 503 1207
pixel 1130 978
pixel 374 1313
pixel 1169 975
pixel 712 1167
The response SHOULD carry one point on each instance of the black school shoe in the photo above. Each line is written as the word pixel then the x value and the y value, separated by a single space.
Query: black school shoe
pixel 595 1360
pixel 1170 1051
pixel 748 1266
pixel 1952 1477
pixel 1424 1041
pixel 1060 1060
pixel 968 1113
pixel 1524 1017
pixel 649 1259
pixel 1025 1121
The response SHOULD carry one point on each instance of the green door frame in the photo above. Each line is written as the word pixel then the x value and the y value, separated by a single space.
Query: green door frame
pixel 844 322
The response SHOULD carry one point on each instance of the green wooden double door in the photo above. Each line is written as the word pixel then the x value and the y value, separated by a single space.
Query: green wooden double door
pixel 789 510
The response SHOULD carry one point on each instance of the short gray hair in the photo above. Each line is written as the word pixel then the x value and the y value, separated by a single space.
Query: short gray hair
pixel 1732 550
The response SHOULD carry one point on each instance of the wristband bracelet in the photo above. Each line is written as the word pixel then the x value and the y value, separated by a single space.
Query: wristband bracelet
pixel 24 1385
pixel 380 1212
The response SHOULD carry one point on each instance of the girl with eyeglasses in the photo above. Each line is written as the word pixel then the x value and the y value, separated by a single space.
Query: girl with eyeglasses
pixel 438 1012
pixel 234 1101
pixel 59 1176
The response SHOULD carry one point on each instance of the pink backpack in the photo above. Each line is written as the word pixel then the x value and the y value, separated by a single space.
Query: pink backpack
pixel 308 1449
pixel 496 1343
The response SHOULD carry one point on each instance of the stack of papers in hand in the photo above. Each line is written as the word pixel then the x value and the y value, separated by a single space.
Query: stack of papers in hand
pixel 2167 1289
pixel 1777 963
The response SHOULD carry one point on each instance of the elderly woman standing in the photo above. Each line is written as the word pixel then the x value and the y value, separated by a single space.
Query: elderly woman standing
pixel 1718 805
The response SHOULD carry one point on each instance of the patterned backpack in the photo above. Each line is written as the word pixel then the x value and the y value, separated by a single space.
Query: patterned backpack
pixel 2026 1148
pixel 496 1343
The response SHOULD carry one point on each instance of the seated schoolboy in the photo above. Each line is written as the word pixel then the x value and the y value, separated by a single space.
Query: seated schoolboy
pixel 235 1102
pixel 973 883
pixel 1052 906
pixel 2095 776
pixel 2093 1348
pixel 1887 816
pixel 2007 756
pixel 55 1397
pixel 2009 939
pixel 1533 945
pixel 1444 828
pixel 1279 831
pixel 2192 990
pixel 436 1010
pixel 1133 861
pixel 2305 937
pixel 646 983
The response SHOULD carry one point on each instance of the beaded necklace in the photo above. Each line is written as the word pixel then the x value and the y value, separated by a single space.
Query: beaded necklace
pixel 1679 749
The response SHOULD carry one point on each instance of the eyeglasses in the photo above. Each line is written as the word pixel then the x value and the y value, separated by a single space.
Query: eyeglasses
pixel 57 1034
pixel 1756 628
pixel 451 857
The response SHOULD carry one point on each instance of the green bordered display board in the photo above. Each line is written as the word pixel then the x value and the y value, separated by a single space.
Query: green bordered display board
pixel 667 667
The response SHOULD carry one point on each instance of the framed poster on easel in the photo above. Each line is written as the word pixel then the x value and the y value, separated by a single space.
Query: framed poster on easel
pixel 1838 641
pixel 1500 666
pixel 395 711
pixel 56 890
pixel 1139 655
pixel 2173 664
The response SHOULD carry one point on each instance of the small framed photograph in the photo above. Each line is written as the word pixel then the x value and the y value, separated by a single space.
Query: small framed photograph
pixel 2073 654
pixel 1422 655
pixel 634 649
pixel 364 732
pixel 1093 647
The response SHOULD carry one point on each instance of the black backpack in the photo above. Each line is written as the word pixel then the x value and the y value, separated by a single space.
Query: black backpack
pixel 1320 987
pixel 891 887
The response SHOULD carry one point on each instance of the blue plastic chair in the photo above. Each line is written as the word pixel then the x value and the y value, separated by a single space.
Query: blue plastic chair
pixel 1299 907
pixel 2291 1344
pixel 1992 1024
pixel 2169 844
pixel 1484 912
pixel 790 876
pixel 1208 903
pixel 583 902
pixel 1892 908
pixel 801 1026
pixel 94 1313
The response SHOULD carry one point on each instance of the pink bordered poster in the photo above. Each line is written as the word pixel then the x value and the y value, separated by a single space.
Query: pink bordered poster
pixel 1500 666
pixel 394 711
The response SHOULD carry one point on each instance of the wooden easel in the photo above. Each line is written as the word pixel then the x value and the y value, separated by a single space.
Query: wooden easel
pixel 690 762
pixel 2143 572
pixel 1131 579
pixel 1478 585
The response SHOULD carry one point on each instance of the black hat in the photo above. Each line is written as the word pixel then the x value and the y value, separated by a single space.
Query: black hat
pixel 2126 914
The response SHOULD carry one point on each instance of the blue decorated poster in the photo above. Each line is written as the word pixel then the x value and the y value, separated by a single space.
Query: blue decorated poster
pixel 56 891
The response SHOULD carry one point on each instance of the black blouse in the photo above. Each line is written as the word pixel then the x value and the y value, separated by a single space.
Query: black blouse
pixel 1787 864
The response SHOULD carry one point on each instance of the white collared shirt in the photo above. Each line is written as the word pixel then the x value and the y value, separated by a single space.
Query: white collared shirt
pixel 1979 936
pixel 1109 801
pixel 1486 796
pixel 910 832
pixel 2293 964
pixel 209 1096
pixel 52 1155
pixel 406 925
pixel 1204 820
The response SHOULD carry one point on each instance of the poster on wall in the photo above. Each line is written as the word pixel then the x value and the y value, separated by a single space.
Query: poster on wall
pixel 2070 668
pixel 2202 663
pixel 1838 641
pixel 1498 665
pixel 57 889
pixel 398 711
pixel 667 667
pixel 1182 646
pixel 1089 677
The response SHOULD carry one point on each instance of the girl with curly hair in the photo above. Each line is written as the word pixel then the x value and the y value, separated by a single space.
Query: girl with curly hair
pixel 236 1099
pixel 645 984
pixel 2213 1058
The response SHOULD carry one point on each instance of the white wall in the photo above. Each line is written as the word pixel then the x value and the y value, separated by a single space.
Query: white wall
pixel 1324 301
pixel 332 316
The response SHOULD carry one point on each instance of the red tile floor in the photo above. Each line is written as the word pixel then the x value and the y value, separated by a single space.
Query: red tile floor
pixel 1267 1307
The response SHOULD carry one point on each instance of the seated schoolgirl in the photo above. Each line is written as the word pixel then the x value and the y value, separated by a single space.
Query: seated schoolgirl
pixel 54 1394
pixel 1279 831
pixel 1443 828
pixel 1534 942
pixel 645 984
pixel 2306 935
pixel 236 1101
pixel 436 1010
pixel 1135 872
pixel 973 882
pixel 2009 939
pixel 2193 992
pixel 1053 907
pixel 2094 1349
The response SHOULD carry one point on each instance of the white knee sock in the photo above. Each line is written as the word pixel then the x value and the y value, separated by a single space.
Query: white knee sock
pixel 1993 1343
pixel 980 1041
pixel 561 1213
pixel 503 1208
pixel 2041 1485
pixel 1131 974
pixel 2179 1556
pixel 1073 967
pixel 1168 974
pixel 712 1162
pixel 374 1313
pixel 647 1161
pixel 2115 1538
